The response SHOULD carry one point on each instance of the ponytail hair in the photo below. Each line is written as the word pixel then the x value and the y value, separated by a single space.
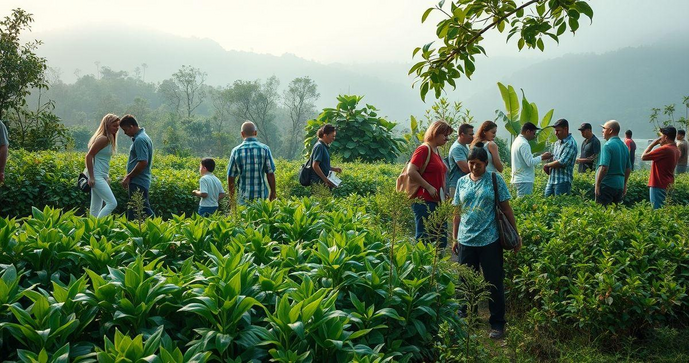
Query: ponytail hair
pixel 326 129
pixel 478 152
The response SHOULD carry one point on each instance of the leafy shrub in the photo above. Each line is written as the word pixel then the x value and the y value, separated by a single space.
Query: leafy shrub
pixel 285 280
pixel 614 270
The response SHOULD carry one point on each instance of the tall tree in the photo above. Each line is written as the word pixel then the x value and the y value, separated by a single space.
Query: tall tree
pixel 299 98
pixel 256 102
pixel 464 23
pixel 20 68
pixel 185 90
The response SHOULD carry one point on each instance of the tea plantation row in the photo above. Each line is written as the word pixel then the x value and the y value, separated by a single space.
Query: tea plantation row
pixel 48 179
pixel 287 281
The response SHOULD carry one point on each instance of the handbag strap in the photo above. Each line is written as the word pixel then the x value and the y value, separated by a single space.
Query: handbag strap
pixel 495 191
pixel 428 160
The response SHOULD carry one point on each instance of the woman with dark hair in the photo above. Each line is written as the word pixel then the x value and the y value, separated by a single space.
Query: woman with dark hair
pixel 320 156
pixel 431 177
pixel 486 136
pixel 476 232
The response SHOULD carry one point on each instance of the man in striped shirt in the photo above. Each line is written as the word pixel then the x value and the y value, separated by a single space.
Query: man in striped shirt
pixel 252 164
pixel 561 169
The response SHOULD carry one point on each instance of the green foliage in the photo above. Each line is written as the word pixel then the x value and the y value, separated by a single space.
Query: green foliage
pixel 361 133
pixel 514 120
pixel 20 68
pixel 613 271
pixel 464 23
pixel 285 280
pixel 442 110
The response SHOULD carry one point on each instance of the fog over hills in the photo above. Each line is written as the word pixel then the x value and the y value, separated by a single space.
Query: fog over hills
pixel 623 84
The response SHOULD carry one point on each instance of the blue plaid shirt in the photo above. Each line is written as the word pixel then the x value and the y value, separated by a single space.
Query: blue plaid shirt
pixel 566 153
pixel 249 163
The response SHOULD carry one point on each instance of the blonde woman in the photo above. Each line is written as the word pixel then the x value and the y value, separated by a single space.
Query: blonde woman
pixel 102 145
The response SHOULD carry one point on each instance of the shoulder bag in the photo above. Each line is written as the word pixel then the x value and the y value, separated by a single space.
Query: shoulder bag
pixel 404 182
pixel 509 238
pixel 306 171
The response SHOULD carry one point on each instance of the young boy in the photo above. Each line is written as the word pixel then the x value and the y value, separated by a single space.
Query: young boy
pixel 210 189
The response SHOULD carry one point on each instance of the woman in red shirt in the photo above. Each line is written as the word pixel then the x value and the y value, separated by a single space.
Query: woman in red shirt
pixel 432 180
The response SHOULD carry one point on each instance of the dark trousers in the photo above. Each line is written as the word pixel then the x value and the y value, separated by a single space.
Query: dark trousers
pixel 422 209
pixel 609 195
pixel 489 258
pixel 148 212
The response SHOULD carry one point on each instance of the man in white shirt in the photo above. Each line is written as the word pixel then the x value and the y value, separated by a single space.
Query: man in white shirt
pixel 523 161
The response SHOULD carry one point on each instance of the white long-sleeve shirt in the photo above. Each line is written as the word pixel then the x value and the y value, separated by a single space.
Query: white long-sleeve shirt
pixel 523 161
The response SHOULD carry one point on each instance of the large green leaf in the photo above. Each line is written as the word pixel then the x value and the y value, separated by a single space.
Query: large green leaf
pixel 509 96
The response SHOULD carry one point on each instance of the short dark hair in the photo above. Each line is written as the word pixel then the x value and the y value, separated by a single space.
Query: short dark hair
pixel 628 133
pixel 478 152
pixel 529 127
pixel 326 129
pixel 208 163
pixel 681 132
pixel 463 128
pixel 128 120
pixel 670 132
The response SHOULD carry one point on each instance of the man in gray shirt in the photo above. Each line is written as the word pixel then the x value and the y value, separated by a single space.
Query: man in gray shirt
pixel 590 149
pixel 138 178
pixel 458 157
pixel 4 144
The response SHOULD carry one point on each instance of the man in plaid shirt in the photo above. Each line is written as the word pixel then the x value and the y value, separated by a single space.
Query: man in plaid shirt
pixel 561 169
pixel 252 164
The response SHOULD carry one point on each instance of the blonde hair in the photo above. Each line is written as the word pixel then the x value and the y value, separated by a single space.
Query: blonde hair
pixel 103 130
pixel 437 128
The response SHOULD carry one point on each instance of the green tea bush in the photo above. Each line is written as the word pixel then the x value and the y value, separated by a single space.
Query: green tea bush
pixel 48 179
pixel 616 270
pixel 283 281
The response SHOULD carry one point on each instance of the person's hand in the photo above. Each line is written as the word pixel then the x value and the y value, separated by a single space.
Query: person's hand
pixel 597 190
pixel 2 178
pixel 330 184
pixel 125 182
pixel 656 142
pixel 432 191
pixel 546 169
pixel 194 192
pixel 272 196
pixel 624 191
pixel 337 170
pixel 455 248
pixel 519 246
pixel 91 182
pixel 546 155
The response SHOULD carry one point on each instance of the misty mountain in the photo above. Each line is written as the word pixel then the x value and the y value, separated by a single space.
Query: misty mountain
pixel 623 84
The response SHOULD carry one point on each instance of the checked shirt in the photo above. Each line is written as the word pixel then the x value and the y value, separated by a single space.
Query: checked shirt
pixel 566 153
pixel 249 163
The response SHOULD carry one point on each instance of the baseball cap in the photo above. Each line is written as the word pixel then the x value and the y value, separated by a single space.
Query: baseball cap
pixel 561 123
pixel 585 126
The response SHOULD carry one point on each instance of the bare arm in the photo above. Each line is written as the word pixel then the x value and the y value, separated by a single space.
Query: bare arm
pixel 494 152
pixel 317 169
pixel 199 194
pixel 463 165
pixel 647 153
pixel 455 230
pixel 602 172
pixel 271 184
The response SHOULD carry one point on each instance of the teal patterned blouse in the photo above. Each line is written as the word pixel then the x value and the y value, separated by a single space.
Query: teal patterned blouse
pixel 477 227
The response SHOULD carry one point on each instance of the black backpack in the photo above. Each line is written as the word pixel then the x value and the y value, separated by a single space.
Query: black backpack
pixel 306 172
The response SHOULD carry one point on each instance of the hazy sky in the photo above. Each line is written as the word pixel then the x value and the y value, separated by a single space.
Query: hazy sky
pixel 335 31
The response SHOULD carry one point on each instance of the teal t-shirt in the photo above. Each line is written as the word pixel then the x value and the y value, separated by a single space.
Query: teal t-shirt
pixel 458 152
pixel 615 156
pixel 477 226
pixel 142 149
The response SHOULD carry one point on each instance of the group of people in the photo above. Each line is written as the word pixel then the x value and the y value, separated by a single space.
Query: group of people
pixel 250 171
pixel 471 176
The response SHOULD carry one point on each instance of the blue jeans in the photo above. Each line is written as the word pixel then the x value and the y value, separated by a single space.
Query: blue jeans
pixel 523 189
pixel 148 212
pixel 657 196
pixel 558 189
pixel 422 209
pixel 206 211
